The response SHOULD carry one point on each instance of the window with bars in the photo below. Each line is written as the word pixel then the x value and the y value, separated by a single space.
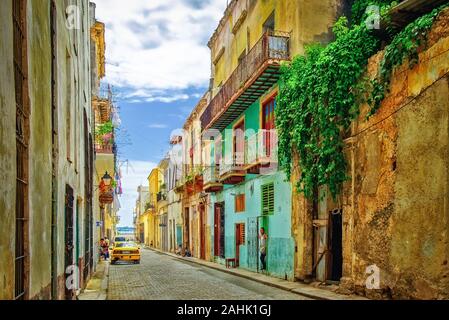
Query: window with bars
pixel 22 139
pixel 240 202
pixel 268 199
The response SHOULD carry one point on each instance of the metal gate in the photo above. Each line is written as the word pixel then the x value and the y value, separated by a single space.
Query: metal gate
pixel 68 240
pixel 252 239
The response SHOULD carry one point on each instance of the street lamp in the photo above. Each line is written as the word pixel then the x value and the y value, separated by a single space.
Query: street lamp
pixel 107 179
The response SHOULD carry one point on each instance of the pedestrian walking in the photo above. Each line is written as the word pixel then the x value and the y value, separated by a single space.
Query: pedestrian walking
pixel 263 237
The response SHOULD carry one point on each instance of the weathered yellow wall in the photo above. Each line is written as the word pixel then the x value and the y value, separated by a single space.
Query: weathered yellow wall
pixel 40 143
pixel 395 213
pixel 39 53
pixel 400 212
pixel 308 21
pixel 154 181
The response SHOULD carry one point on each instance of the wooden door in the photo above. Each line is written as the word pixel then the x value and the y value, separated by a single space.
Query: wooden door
pixel 186 229
pixel 202 233
pixel 268 125
pixel 239 240
pixel 217 230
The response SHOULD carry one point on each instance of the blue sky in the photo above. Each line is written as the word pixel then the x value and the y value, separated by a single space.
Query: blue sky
pixel 158 63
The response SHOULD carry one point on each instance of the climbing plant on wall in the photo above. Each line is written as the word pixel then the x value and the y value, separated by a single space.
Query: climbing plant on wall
pixel 322 91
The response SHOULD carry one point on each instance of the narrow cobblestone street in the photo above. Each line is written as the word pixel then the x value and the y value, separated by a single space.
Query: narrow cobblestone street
pixel 163 277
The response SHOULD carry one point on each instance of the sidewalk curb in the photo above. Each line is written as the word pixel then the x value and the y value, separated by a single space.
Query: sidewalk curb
pixel 99 292
pixel 293 287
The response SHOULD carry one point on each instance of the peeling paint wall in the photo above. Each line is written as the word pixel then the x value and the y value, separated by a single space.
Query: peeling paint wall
pixel 395 213
pixel 73 92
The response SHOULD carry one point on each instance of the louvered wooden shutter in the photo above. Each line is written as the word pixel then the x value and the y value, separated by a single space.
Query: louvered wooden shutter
pixel 240 202
pixel 242 233
pixel 268 199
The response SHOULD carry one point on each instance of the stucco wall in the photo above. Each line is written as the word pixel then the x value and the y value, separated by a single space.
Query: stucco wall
pixel 39 246
pixel 400 216
pixel 395 212
pixel 40 165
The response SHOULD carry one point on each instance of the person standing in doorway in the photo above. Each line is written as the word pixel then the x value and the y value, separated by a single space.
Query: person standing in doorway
pixel 263 248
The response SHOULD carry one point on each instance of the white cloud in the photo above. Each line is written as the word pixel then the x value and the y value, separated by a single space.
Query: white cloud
pixel 159 45
pixel 145 95
pixel 158 126
pixel 133 175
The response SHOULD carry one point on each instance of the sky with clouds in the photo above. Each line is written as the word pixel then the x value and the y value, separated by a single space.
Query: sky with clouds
pixel 158 63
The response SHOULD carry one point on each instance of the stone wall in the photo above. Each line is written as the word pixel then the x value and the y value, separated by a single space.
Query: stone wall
pixel 395 213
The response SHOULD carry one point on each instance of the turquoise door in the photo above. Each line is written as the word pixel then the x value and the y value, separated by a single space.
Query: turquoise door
pixel 178 236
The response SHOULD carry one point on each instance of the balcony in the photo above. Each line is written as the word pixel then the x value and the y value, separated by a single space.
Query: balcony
pixel 211 180
pixel 104 148
pixel 257 72
pixel 261 152
pixel 232 171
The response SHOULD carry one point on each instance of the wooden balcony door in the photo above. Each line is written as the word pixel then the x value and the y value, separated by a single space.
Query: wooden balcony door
pixel 219 223
pixel 268 124
pixel 239 143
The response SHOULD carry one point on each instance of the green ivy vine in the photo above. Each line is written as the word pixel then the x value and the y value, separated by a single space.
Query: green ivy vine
pixel 321 93
pixel 404 47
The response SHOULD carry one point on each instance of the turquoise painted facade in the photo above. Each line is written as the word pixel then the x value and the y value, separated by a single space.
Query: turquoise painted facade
pixel 280 246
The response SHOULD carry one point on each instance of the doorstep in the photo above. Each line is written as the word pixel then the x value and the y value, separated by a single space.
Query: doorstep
pixel 97 286
pixel 294 287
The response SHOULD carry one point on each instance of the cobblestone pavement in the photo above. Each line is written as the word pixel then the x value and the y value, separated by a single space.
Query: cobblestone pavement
pixel 162 277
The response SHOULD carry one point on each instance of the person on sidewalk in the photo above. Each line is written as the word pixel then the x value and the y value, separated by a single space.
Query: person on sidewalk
pixel 101 248
pixel 104 249
pixel 263 248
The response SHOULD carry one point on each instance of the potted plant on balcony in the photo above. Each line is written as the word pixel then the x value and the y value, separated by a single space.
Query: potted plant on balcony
pixel 198 178
pixel 104 134
pixel 190 184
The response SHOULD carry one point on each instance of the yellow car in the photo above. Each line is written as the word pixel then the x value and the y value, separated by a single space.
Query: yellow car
pixel 125 251
pixel 118 240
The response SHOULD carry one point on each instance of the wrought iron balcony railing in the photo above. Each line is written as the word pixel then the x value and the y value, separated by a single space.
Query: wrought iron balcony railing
pixel 211 175
pixel 232 164
pixel 262 147
pixel 257 72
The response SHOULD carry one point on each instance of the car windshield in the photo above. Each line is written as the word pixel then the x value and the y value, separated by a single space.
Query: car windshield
pixel 126 244
pixel 120 239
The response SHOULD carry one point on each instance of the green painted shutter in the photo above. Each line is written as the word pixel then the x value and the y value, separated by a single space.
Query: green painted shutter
pixel 268 199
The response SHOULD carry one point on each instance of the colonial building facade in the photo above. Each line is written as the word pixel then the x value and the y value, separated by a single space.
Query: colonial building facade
pixel 48 232
pixel 389 220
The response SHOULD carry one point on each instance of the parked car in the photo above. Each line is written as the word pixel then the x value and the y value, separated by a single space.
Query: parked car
pixel 126 251
pixel 118 240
